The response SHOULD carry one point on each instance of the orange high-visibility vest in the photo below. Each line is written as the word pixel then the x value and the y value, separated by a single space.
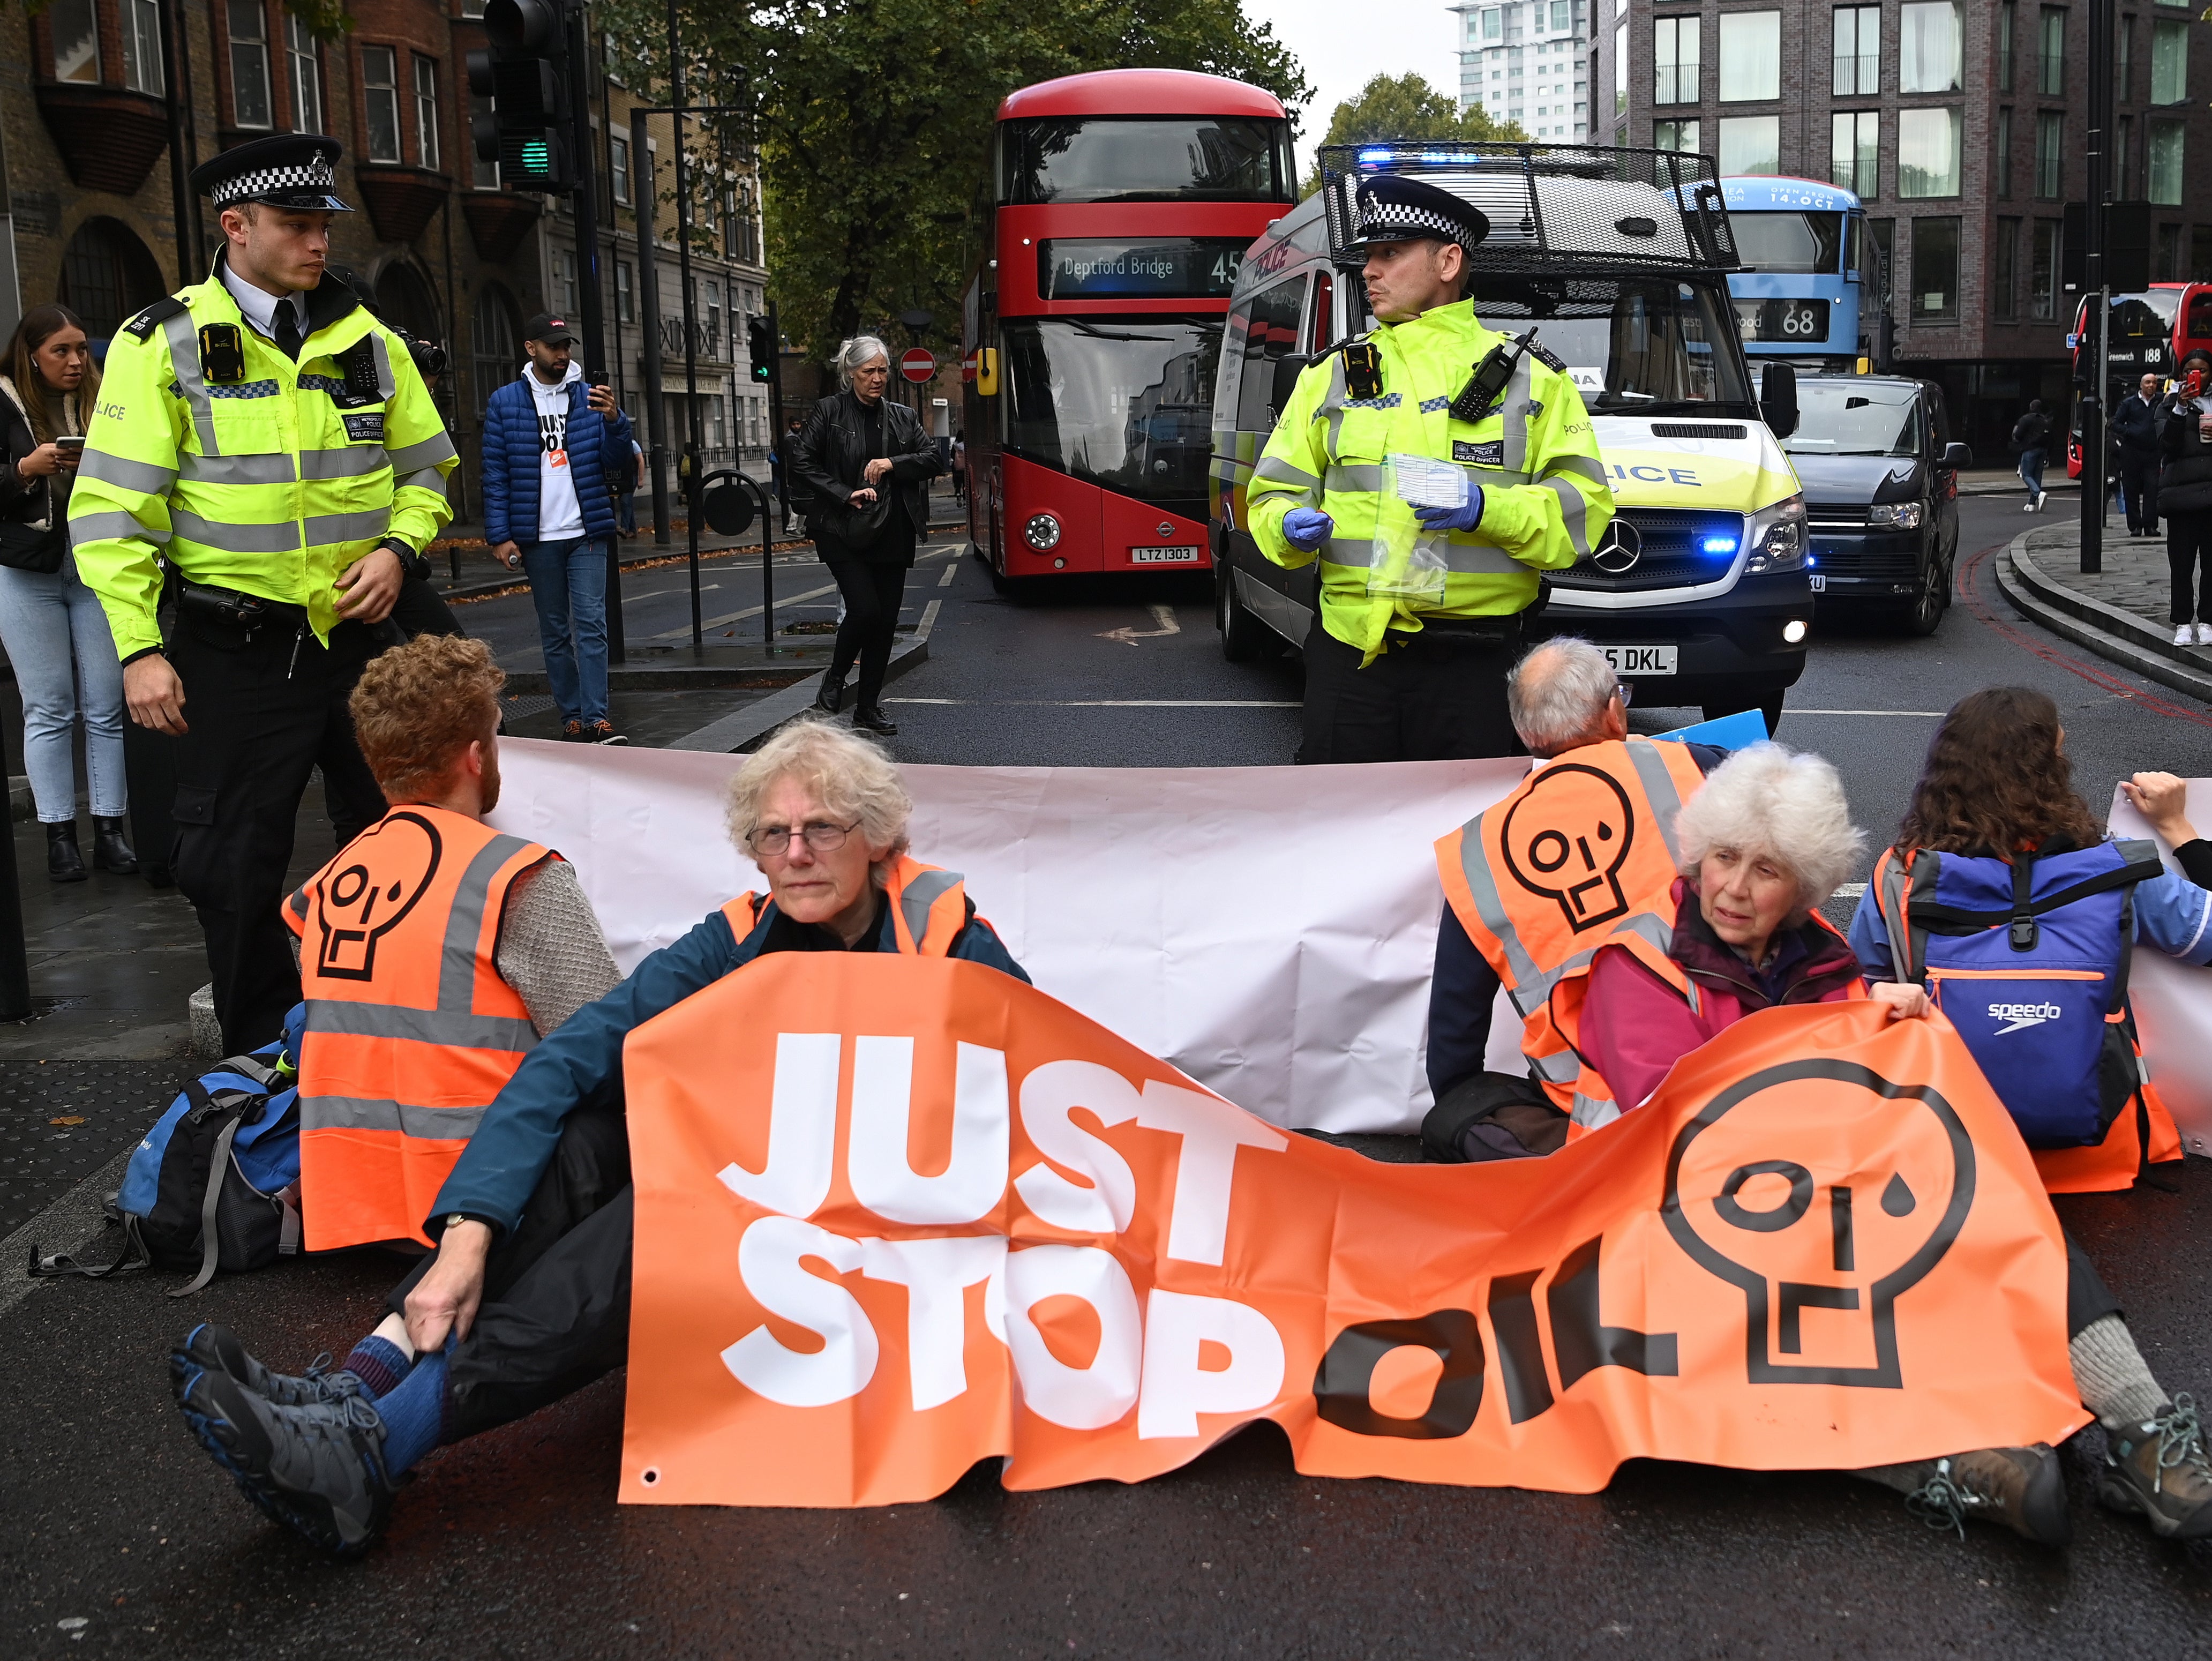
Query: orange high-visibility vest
pixel 928 906
pixel 1582 856
pixel 410 1031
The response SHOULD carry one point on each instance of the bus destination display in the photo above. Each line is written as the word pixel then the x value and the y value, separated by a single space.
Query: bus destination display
pixel 1162 268
pixel 1782 320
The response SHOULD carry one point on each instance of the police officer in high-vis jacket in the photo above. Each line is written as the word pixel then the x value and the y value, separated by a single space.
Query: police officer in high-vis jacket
pixel 267 438
pixel 1421 596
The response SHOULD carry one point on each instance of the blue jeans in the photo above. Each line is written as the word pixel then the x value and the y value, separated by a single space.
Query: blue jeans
pixel 629 500
pixel 568 586
pixel 57 637
pixel 2031 467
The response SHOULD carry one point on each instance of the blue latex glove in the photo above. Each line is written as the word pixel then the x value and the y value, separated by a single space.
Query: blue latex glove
pixel 1307 528
pixel 1454 518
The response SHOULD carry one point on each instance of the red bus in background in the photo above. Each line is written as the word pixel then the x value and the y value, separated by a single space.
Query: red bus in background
pixel 2152 332
pixel 1122 204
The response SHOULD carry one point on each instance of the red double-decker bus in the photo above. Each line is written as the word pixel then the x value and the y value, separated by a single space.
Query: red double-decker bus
pixel 2151 332
pixel 1122 206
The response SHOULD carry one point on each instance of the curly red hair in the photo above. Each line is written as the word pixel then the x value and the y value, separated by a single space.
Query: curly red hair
pixel 417 707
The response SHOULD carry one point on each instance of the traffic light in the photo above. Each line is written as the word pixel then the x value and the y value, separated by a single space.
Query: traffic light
pixel 764 348
pixel 525 76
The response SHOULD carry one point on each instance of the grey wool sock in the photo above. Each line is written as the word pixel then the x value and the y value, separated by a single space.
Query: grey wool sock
pixel 2111 1375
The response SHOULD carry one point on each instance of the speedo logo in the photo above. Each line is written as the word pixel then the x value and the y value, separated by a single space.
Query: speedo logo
pixel 2023 1014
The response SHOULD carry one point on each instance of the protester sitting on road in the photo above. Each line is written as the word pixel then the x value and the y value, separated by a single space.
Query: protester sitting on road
pixel 399 1060
pixel 1497 929
pixel 1767 839
pixel 531 1281
pixel 56 633
pixel 1997 793
pixel 2185 496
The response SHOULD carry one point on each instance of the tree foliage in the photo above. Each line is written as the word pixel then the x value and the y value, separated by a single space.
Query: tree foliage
pixel 874 123
pixel 1407 107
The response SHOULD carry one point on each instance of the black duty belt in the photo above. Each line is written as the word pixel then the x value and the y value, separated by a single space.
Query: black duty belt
pixel 209 606
pixel 1487 633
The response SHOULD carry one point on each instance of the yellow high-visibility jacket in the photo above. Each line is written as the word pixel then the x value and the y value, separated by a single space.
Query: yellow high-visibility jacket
pixel 1545 501
pixel 272 482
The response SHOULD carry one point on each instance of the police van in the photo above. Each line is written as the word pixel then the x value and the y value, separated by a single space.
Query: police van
pixel 1701 589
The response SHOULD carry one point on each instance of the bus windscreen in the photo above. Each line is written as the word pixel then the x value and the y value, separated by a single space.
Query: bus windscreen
pixel 1158 268
pixel 1789 242
pixel 1191 158
pixel 1126 402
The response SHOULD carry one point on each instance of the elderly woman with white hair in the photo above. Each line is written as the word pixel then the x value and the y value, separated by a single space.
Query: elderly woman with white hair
pixel 532 1278
pixel 864 463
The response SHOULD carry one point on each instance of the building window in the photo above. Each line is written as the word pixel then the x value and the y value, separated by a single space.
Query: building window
pixel 425 112
pixel 1928 47
pixel 140 23
pixel 2049 155
pixel 2124 147
pixel 2051 56
pixel 2006 17
pixel 1935 270
pixel 618 166
pixel 303 58
pixel 495 358
pixel 2169 254
pixel 1928 152
pixel 2004 271
pixel 1751 143
pixel 2005 152
pixel 1858 50
pixel 1751 59
pixel 2169 62
pixel 2164 158
pixel 1675 60
pixel 1674 135
pixel 564 277
pixel 2200 250
pixel 75 24
pixel 625 294
pixel 2127 84
pixel 249 63
pixel 379 97
pixel 1493 24
pixel 2043 272
pixel 1620 68
pixel 1855 152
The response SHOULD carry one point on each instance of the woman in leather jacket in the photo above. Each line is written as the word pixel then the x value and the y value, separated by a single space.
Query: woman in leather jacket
pixel 2185 496
pixel 866 463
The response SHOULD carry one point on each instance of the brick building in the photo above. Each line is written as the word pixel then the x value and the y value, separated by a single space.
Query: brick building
pixel 101 121
pixel 1962 124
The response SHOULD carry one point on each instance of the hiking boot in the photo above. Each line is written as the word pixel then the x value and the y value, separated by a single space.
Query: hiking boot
pixel 2159 1468
pixel 214 1348
pixel 318 1467
pixel 603 732
pixel 2022 1488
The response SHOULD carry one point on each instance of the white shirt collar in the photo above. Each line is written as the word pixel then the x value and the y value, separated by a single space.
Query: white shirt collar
pixel 259 307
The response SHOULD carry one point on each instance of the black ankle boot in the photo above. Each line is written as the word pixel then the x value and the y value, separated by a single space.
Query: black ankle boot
pixel 110 853
pixel 64 862
pixel 870 719
pixel 832 693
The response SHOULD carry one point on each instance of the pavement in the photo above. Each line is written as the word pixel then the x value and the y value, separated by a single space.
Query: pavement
pixel 118 1534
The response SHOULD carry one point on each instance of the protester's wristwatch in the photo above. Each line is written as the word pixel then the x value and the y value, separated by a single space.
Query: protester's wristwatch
pixel 414 564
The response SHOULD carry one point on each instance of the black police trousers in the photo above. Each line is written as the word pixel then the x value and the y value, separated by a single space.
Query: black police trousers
pixel 555 1309
pixel 1434 695
pixel 264 713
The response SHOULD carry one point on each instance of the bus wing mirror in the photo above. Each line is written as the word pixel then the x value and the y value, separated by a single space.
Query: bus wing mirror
pixel 986 372
pixel 1777 397
pixel 1288 369
pixel 1957 456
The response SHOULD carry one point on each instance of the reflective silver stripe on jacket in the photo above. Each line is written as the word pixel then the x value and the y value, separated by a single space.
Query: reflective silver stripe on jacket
pixel 185 363
pixel 1349 475
pixel 924 891
pixel 236 470
pixel 125 474
pixel 1461 559
pixel 429 479
pixel 97 527
pixel 429 452
pixel 1658 789
pixel 456 963
pixel 1588 1111
pixel 1574 513
pixel 1560 1067
pixel 372 1113
pixel 1516 417
pixel 354 461
pixel 385 385
pixel 236 539
pixel 346 528
pixel 451 1029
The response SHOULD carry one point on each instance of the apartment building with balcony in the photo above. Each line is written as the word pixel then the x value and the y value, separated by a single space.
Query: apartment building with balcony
pixel 1528 61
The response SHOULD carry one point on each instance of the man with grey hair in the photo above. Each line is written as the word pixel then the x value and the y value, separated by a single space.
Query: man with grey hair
pixel 1576 853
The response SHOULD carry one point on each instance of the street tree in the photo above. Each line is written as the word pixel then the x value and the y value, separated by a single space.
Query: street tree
pixel 1407 107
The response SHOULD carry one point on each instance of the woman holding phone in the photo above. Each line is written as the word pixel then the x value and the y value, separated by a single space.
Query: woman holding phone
pixel 2185 496
pixel 56 634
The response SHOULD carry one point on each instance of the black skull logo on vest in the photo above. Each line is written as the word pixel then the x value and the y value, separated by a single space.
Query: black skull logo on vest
pixel 1566 839
pixel 353 913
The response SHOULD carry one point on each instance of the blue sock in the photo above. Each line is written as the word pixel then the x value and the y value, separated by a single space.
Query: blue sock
pixel 378 1363
pixel 414 1415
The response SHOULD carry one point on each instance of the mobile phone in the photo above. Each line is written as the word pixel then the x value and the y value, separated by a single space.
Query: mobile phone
pixel 596 378
pixel 76 443
pixel 2192 385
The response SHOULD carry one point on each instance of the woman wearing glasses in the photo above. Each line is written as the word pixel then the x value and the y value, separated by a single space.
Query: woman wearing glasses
pixel 531 1275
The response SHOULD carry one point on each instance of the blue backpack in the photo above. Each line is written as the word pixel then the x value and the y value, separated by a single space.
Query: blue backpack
pixel 2029 960
pixel 214 1184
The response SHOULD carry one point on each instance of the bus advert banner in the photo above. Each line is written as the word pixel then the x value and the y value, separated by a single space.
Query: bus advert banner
pixel 897 1216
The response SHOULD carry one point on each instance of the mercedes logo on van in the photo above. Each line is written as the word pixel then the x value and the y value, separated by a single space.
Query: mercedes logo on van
pixel 1619 549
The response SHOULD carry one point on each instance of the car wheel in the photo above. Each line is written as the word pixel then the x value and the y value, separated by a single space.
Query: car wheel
pixel 1244 638
pixel 1925 614
pixel 1769 705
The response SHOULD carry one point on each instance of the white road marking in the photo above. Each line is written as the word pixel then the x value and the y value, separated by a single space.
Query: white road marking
pixel 684 633
pixel 1117 704
pixel 1931 715
pixel 681 588
pixel 1162 615
pixel 951 572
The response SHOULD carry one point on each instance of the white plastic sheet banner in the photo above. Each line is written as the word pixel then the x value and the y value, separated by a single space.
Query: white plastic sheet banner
pixel 1270 930
pixel 2174 999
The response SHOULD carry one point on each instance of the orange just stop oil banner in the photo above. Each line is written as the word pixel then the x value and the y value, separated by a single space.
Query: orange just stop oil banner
pixel 897 1214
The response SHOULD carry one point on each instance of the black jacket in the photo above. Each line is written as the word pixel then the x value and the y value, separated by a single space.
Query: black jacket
pixel 27 500
pixel 2185 485
pixel 831 454
pixel 2135 428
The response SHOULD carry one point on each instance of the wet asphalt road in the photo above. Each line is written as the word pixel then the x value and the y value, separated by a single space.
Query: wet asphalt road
pixel 512 1545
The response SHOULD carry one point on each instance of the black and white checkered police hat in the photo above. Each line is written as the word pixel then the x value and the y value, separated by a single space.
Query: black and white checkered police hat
pixel 1395 209
pixel 289 170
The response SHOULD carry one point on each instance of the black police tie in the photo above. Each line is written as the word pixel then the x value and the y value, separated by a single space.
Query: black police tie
pixel 288 331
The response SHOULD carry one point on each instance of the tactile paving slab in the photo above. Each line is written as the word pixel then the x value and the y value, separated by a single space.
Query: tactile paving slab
pixel 61 1121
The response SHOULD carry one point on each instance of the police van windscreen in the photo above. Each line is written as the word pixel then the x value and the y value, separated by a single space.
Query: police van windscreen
pixel 1124 403
pixel 1186 158
pixel 1853 419
pixel 1636 346
pixel 1789 242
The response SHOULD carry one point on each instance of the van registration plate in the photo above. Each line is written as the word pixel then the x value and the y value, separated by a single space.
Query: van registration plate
pixel 1641 659
pixel 1183 555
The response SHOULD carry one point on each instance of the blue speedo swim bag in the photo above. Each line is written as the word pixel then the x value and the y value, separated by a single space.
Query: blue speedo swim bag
pixel 2029 958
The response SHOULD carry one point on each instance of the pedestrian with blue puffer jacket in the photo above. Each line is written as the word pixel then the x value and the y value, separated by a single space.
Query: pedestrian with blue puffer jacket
pixel 548 512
